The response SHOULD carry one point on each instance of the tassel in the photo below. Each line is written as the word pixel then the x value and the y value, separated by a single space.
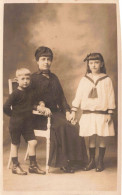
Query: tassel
pixel 93 93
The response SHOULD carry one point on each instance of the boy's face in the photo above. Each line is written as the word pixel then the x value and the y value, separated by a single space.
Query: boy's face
pixel 44 63
pixel 95 66
pixel 23 81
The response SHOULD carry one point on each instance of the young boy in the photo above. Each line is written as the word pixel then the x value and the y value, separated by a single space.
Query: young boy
pixel 19 107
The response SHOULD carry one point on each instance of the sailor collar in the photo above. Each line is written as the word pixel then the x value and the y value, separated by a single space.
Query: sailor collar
pixel 103 76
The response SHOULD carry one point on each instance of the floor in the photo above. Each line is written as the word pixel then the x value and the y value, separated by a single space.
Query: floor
pixel 61 183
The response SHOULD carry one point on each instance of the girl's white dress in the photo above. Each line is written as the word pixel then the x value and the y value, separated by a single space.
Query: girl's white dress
pixel 93 123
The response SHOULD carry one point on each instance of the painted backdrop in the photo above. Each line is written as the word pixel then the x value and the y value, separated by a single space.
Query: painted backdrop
pixel 71 30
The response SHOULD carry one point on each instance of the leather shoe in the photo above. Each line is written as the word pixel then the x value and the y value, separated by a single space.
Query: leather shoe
pixel 91 165
pixel 16 169
pixel 35 169
pixel 67 169
pixel 100 167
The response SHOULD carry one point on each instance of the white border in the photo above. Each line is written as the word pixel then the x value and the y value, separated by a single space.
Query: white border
pixel 119 39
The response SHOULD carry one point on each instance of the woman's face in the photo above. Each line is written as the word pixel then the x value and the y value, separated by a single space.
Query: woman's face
pixel 44 63
pixel 95 66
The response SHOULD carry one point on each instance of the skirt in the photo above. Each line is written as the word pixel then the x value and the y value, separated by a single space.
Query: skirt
pixel 93 123
pixel 65 142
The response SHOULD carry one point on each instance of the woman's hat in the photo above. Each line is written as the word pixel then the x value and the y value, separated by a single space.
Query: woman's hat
pixel 43 51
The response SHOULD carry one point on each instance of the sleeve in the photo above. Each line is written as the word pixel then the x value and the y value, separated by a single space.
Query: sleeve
pixel 62 99
pixel 7 107
pixel 77 100
pixel 111 96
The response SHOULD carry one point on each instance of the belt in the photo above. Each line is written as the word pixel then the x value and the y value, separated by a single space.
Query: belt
pixel 96 112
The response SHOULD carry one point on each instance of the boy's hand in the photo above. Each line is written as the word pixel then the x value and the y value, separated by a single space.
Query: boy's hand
pixel 108 118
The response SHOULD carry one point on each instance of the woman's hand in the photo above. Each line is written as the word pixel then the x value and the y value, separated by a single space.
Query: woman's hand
pixel 43 110
pixel 47 112
pixel 40 109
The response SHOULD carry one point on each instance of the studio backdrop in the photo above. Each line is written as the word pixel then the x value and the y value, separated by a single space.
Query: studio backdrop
pixel 71 30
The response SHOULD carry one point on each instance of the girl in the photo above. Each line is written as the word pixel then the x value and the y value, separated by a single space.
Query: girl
pixel 95 96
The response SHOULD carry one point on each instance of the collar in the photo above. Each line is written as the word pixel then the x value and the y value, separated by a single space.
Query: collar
pixel 43 72
pixel 101 77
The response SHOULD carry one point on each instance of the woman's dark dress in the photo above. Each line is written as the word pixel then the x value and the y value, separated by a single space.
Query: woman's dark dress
pixel 65 143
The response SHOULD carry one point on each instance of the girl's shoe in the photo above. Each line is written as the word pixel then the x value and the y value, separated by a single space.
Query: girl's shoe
pixel 91 164
pixel 100 164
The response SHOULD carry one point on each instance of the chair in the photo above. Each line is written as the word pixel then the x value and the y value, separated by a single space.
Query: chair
pixel 39 133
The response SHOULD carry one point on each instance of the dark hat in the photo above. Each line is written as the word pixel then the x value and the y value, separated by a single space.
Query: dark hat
pixel 94 56
pixel 43 51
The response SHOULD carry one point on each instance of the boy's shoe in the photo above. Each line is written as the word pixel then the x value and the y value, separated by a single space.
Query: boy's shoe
pixel 16 169
pixel 34 168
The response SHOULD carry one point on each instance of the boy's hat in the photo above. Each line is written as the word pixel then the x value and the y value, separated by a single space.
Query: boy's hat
pixel 94 56
pixel 43 51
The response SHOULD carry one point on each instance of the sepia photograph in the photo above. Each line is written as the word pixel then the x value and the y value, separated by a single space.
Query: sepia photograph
pixel 61 97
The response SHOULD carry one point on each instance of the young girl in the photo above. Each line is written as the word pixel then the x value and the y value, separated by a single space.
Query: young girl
pixel 95 96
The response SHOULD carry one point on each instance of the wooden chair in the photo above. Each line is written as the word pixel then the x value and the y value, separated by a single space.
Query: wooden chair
pixel 39 133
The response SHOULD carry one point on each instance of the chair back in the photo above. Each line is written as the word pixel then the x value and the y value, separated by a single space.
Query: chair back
pixel 12 84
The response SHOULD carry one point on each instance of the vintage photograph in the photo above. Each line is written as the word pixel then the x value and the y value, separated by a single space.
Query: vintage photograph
pixel 60 97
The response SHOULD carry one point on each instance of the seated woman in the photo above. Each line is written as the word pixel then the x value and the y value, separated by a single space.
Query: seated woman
pixel 65 145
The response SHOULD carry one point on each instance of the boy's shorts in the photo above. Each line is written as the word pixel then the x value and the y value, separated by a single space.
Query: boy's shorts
pixel 21 125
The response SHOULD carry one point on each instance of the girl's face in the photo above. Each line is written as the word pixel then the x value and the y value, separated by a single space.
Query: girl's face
pixel 95 66
pixel 44 63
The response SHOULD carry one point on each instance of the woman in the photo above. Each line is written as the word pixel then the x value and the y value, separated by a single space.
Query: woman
pixel 65 143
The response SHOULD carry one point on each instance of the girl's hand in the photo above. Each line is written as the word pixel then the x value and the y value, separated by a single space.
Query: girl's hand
pixel 73 116
pixel 73 120
pixel 108 118
pixel 68 116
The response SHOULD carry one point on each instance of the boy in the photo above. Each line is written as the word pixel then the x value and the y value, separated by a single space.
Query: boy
pixel 21 122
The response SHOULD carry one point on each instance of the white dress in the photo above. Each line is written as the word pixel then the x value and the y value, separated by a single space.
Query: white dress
pixel 93 123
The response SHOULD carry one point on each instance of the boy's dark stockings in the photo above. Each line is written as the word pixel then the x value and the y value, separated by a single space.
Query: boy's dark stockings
pixel 34 168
